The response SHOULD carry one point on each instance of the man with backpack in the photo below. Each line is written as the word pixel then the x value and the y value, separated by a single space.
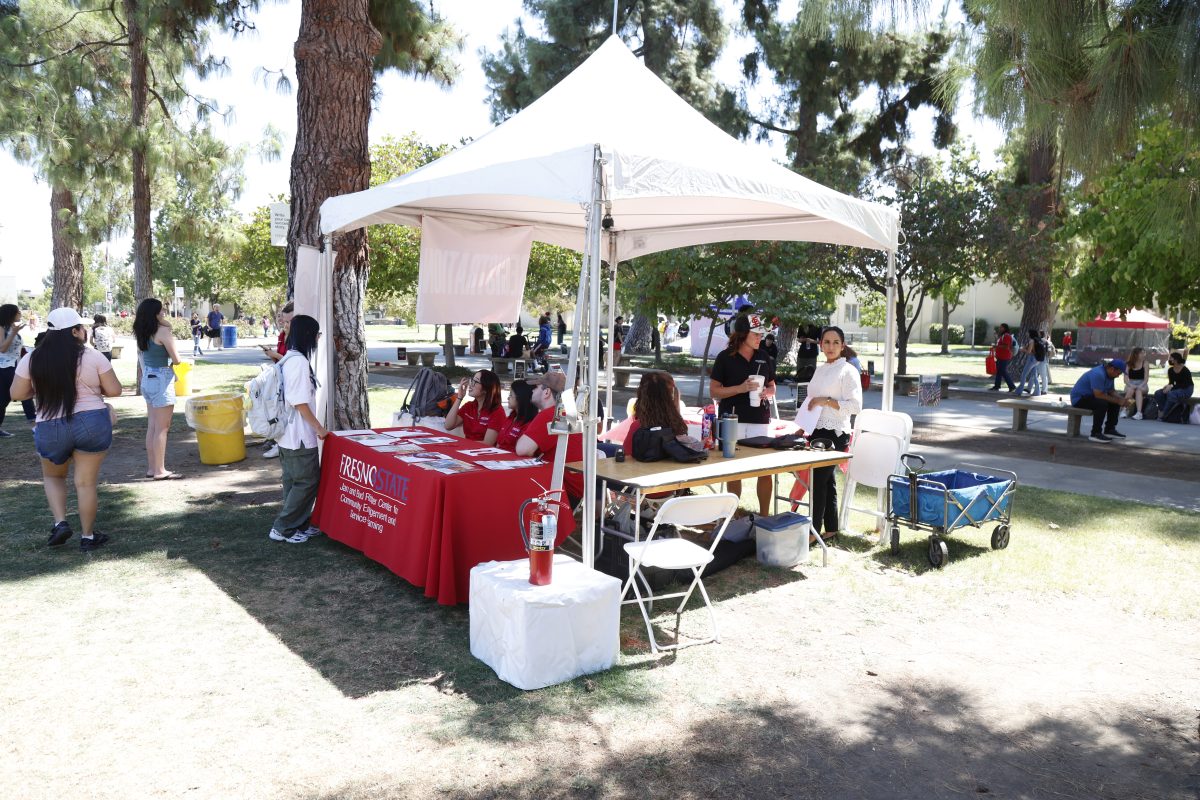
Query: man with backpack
pixel 1031 374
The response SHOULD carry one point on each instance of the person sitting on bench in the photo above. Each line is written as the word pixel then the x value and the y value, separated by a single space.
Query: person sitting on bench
pixel 1177 391
pixel 1095 391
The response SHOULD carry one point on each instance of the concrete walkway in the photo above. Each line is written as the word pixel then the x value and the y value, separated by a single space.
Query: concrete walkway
pixel 977 411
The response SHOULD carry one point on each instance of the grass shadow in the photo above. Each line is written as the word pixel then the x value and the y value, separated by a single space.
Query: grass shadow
pixel 926 741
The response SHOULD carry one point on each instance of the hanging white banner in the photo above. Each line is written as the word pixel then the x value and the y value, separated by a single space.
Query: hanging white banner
pixel 471 274
pixel 306 292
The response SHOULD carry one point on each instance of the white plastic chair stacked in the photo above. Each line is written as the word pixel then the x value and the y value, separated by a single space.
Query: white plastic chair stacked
pixel 686 512
pixel 880 438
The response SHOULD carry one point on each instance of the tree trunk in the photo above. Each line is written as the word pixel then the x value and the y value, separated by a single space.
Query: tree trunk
pixel 143 279
pixel 639 338
pixel 702 389
pixel 335 52
pixel 68 262
pixel 1036 312
pixel 786 342
pixel 449 342
pixel 945 326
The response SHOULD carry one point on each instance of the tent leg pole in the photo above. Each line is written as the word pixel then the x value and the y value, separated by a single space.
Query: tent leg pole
pixel 612 310
pixel 594 243
pixel 889 339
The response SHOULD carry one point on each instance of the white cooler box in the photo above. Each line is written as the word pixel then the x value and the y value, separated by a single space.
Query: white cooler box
pixel 782 539
pixel 537 636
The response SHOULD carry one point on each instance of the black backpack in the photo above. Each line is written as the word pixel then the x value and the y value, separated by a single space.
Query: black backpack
pixel 1178 415
pixel 1039 349
pixel 659 444
pixel 429 395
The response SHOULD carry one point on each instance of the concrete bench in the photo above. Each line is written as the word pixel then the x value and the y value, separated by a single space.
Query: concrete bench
pixel 621 374
pixel 1022 406
pixel 424 357
pixel 905 384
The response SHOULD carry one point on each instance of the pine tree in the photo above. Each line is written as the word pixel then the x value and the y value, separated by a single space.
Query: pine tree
pixel 340 48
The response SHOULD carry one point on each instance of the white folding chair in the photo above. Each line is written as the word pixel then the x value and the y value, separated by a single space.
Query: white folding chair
pixel 875 457
pixel 897 423
pixel 682 512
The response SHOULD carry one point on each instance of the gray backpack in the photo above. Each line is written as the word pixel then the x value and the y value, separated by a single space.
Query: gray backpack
pixel 429 396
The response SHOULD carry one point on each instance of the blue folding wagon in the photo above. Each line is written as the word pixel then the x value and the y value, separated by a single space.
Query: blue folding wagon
pixel 941 502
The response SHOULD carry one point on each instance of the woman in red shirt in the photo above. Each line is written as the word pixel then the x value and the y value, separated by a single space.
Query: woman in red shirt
pixel 521 412
pixel 483 416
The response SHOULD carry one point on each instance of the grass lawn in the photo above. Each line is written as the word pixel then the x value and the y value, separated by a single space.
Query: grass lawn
pixel 194 657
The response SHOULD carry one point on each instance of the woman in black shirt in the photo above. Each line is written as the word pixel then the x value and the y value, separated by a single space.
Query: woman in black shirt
pixel 1178 389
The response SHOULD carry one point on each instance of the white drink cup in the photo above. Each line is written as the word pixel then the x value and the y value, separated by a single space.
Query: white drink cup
pixel 756 393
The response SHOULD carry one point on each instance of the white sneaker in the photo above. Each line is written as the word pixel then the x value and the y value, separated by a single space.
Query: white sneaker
pixel 271 452
pixel 312 532
pixel 1137 415
pixel 297 537
pixel 277 536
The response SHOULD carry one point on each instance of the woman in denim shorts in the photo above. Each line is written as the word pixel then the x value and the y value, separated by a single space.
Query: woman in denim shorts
pixel 156 359
pixel 70 382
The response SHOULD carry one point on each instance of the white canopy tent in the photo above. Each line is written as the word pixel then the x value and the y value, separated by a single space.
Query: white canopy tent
pixel 612 163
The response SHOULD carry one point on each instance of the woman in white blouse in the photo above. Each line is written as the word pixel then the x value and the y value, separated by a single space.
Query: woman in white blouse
pixel 836 390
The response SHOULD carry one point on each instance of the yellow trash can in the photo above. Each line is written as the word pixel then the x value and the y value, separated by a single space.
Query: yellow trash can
pixel 183 378
pixel 219 420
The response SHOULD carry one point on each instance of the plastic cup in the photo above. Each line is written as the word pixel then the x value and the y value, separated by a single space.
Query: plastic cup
pixel 756 393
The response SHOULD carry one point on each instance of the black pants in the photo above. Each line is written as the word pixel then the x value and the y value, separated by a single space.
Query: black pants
pixel 824 485
pixel 6 381
pixel 1103 412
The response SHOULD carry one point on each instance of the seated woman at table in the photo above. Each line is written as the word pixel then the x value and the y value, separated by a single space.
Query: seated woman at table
pixel 521 412
pixel 657 406
pixel 483 415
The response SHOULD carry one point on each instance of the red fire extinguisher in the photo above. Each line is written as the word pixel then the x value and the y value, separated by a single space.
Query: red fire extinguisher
pixel 539 530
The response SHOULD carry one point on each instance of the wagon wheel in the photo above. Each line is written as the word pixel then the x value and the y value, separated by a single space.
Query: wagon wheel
pixel 939 554
pixel 895 540
pixel 1000 537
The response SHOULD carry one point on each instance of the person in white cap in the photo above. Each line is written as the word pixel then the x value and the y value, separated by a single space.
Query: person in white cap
pixel 69 381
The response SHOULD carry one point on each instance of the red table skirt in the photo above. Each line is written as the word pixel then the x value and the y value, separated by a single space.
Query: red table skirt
pixel 427 527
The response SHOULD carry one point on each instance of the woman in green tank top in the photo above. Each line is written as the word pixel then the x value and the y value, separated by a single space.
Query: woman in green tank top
pixel 156 360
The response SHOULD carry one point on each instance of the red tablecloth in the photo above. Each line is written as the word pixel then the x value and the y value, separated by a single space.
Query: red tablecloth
pixel 427 527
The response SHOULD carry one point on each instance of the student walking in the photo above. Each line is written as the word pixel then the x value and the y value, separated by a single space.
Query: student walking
pixel 12 347
pixel 70 382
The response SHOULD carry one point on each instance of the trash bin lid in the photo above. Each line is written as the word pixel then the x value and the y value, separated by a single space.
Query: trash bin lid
pixel 780 521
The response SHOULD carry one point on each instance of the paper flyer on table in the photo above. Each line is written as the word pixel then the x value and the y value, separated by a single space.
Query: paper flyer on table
pixel 417 458
pixel 806 417
pixel 398 449
pixel 404 433
pixel 435 440
pixel 371 439
pixel 484 451
pixel 516 463
pixel 447 466
pixel 349 434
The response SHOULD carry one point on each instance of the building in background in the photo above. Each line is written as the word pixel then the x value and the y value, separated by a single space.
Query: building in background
pixel 992 302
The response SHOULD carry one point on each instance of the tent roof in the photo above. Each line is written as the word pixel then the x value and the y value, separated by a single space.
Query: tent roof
pixel 674 178
pixel 1134 318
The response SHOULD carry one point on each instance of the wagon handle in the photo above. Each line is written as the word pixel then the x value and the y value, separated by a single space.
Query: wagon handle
pixel 904 459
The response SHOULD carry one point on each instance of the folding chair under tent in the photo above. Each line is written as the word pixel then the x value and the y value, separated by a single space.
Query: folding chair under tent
pixel 613 164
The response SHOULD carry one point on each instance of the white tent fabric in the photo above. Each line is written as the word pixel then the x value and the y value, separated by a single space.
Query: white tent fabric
pixel 674 178
pixel 468 273
pixel 612 141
